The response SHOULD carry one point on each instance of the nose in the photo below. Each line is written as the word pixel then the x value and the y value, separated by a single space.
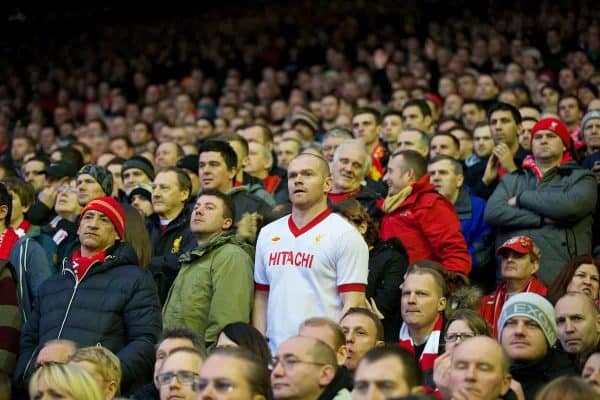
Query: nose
pixel 569 326
pixel 278 370
pixel 471 373
pixel 411 298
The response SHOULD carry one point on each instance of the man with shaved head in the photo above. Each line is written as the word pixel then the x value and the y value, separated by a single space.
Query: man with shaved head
pixel 578 325
pixel 312 263
pixel 304 368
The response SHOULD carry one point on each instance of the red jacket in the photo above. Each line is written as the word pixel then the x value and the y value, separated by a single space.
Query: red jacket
pixel 427 224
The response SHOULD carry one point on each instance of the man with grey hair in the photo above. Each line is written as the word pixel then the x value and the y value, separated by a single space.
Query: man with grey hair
pixel 351 164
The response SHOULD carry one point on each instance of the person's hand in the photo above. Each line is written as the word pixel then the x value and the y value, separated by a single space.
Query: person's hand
pixel 463 394
pixel 47 196
pixel 512 201
pixel 441 373
pixel 491 170
pixel 505 157
pixel 372 306
pixel 380 58
pixel 517 389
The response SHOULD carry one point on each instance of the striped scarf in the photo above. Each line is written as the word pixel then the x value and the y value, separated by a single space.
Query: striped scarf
pixel 432 346
pixel 491 305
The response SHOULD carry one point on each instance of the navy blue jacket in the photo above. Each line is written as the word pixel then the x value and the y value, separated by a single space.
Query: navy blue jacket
pixel 115 305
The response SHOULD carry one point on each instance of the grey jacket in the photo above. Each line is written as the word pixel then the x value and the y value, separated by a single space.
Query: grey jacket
pixel 555 212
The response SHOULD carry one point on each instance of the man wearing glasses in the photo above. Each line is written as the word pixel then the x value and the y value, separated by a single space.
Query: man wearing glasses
pixel 304 369
pixel 178 374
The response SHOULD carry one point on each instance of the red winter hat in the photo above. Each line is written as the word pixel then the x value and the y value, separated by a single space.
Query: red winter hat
pixel 521 245
pixel 111 208
pixel 554 125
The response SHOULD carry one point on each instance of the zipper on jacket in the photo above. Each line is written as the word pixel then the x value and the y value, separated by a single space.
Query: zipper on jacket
pixel 77 281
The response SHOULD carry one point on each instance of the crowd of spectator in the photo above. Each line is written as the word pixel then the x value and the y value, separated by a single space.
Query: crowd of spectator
pixel 304 205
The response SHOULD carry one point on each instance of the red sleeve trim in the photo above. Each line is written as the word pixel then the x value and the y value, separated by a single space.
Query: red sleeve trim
pixel 352 287
pixel 261 287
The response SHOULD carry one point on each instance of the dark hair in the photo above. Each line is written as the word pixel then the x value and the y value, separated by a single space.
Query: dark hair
pixel 71 155
pixel 181 332
pixel 256 371
pixel 222 148
pixel 369 110
pixel 452 138
pixel 421 104
pixel 183 179
pixel 572 96
pixel 6 200
pixel 178 148
pixel 354 211
pixel 472 318
pixel 228 204
pixel 234 137
pixel 505 107
pixel 23 189
pixel 136 235
pixel 413 376
pixel 413 160
pixel 558 287
pixel 39 158
pixel 115 160
pixel 248 337
pixel 391 112
pixel 369 314
pixel 145 124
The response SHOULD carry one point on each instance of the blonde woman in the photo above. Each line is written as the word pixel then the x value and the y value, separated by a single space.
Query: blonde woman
pixel 103 366
pixel 62 381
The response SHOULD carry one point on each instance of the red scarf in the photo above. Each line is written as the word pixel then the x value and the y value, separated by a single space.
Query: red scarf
pixel 271 183
pixel 23 228
pixel 8 238
pixel 529 163
pixel 82 264
pixel 491 305
pixel 337 197
pixel 432 346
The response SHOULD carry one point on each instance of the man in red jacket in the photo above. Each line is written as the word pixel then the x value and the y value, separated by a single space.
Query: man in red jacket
pixel 424 220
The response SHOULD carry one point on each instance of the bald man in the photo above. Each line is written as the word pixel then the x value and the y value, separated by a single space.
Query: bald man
pixel 578 324
pixel 479 370
pixel 311 263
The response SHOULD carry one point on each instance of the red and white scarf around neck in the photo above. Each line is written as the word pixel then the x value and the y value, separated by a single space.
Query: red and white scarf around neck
pixel 432 346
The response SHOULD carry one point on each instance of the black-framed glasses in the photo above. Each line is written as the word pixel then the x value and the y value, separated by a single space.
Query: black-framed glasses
pixel 289 363
pixel 220 385
pixel 453 337
pixel 183 377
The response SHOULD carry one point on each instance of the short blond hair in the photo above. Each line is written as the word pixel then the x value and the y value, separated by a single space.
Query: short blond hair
pixel 106 362
pixel 68 380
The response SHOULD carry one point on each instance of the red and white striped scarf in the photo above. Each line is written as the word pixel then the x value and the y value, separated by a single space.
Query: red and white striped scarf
pixel 432 346
pixel 491 305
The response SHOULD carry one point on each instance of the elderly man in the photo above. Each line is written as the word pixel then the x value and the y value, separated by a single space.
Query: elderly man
pixel 527 332
pixel 351 163
pixel 520 262
pixel 102 297
pixel 550 200
pixel 578 324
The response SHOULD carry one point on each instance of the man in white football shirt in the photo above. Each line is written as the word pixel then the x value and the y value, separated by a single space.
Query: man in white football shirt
pixel 312 263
